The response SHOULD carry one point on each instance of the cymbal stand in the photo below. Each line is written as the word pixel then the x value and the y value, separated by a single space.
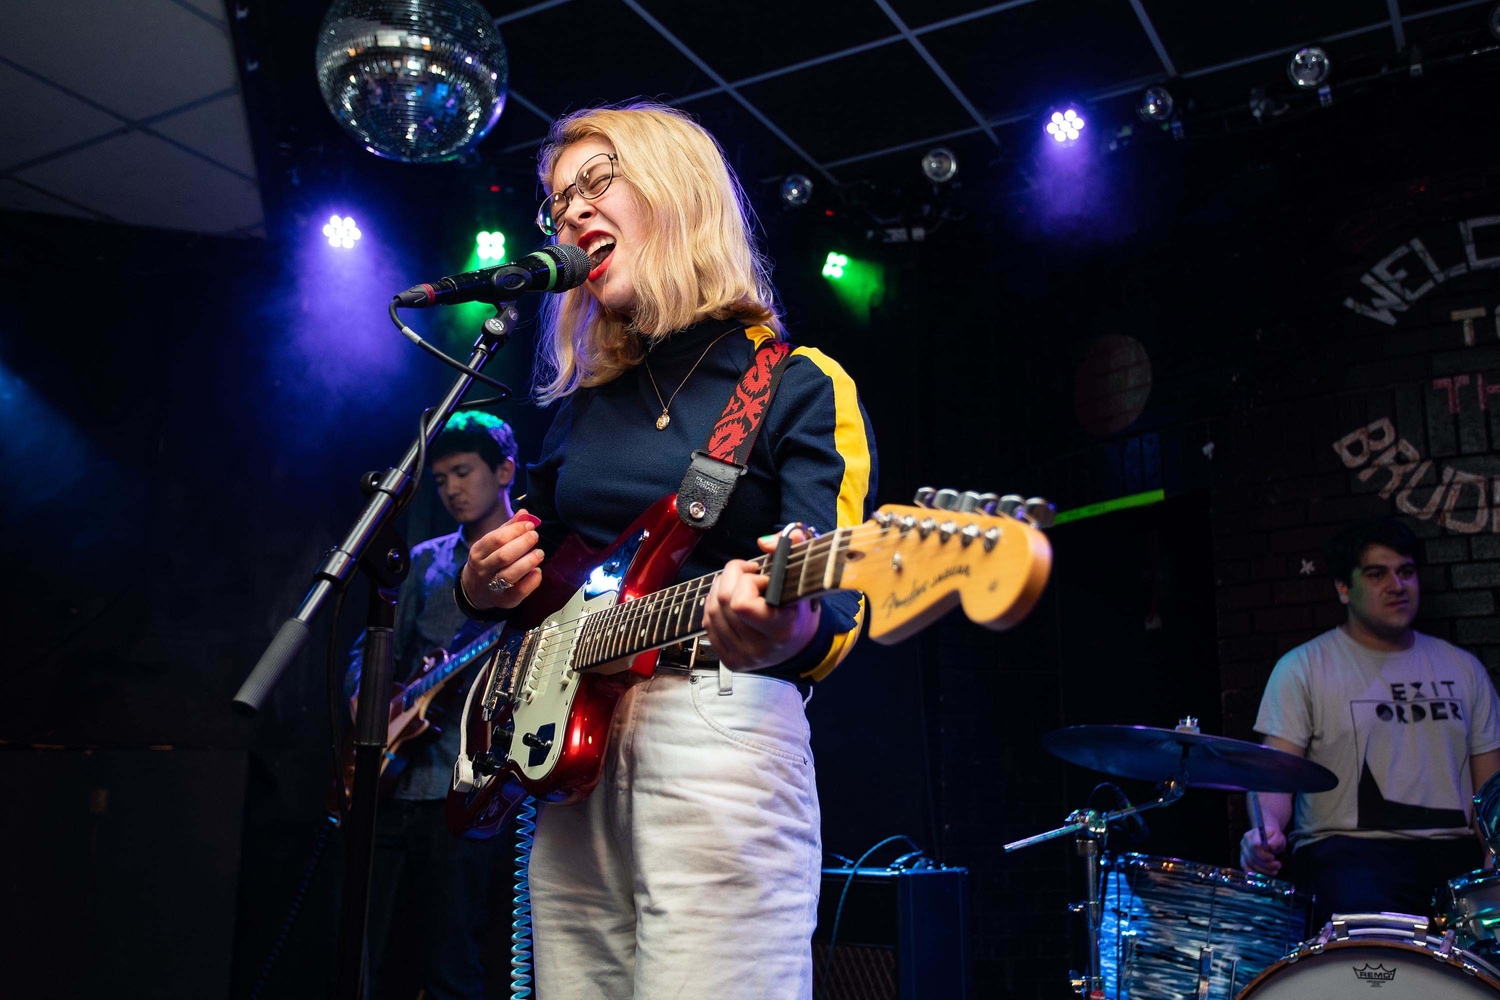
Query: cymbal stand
pixel 1089 829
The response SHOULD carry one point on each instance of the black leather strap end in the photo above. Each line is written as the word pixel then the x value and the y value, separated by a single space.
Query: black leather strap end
pixel 777 571
pixel 705 490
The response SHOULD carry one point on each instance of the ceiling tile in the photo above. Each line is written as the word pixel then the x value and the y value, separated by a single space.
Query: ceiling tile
pixel 861 103
pixel 1044 53
pixel 917 13
pixel 1199 34
pixel 800 31
pixel 217 129
pixel 20 198
pixel 591 51
pixel 36 119
pixel 143 181
pixel 213 8
pixel 137 59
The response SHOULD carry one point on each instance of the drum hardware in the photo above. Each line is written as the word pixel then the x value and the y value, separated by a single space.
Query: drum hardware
pixel 1089 829
pixel 1395 952
pixel 1189 759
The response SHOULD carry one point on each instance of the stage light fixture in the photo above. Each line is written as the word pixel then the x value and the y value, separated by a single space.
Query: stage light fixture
pixel 1065 125
pixel 342 232
pixel 833 267
pixel 491 246
pixel 1156 104
pixel 1309 67
pixel 796 190
pixel 939 165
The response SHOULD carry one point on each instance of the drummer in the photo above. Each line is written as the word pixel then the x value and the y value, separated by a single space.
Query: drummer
pixel 1408 722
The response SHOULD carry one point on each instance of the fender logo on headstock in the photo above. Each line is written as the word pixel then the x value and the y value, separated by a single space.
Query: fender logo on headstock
pixel 895 601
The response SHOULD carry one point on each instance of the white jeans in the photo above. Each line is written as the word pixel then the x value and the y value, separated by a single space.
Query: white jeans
pixel 692 870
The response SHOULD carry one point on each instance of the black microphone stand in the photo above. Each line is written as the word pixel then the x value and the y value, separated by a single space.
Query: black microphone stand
pixel 378 550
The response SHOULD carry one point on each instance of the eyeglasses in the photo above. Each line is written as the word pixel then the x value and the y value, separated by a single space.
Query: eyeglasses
pixel 592 181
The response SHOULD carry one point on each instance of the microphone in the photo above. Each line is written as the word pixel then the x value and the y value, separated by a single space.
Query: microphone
pixel 554 268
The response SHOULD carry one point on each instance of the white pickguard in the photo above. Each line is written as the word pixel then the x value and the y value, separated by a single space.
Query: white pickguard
pixel 545 691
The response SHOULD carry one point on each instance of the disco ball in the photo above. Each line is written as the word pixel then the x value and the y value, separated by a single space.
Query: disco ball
pixel 939 165
pixel 1156 104
pixel 418 81
pixel 796 190
pixel 1308 67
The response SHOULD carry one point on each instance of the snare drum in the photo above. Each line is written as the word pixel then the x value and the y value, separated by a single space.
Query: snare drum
pixel 1389 951
pixel 1170 927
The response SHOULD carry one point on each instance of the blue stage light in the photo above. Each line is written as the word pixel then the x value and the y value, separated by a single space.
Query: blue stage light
pixel 1065 125
pixel 342 232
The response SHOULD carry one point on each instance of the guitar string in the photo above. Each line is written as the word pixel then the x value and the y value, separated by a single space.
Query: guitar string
pixel 649 605
pixel 425 683
pixel 801 554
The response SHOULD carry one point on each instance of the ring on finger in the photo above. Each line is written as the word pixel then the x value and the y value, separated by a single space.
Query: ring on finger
pixel 499 585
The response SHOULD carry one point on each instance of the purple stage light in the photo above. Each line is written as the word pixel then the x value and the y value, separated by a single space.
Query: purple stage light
pixel 342 232
pixel 1065 125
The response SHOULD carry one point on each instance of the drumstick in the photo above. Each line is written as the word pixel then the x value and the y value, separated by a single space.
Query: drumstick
pixel 1257 817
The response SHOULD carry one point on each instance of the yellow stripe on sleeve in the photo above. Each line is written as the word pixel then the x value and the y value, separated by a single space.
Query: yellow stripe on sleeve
pixel 852 444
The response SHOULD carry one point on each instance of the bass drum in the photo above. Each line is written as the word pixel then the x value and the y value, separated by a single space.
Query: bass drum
pixel 1391 952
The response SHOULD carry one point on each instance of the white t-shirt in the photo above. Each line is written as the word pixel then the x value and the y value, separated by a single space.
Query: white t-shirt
pixel 1397 728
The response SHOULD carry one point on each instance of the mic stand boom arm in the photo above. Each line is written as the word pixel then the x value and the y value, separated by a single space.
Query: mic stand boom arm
pixel 386 499
pixel 377 549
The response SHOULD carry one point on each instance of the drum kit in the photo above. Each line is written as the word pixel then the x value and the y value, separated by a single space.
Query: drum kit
pixel 1166 929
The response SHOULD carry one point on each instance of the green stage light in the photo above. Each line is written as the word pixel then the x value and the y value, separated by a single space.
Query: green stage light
pixel 491 247
pixel 834 266
pixel 1108 506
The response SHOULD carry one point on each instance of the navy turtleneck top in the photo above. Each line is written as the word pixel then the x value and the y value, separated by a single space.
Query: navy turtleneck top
pixel 603 461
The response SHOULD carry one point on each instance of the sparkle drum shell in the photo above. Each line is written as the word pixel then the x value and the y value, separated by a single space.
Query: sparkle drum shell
pixel 1391 952
pixel 1170 926
pixel 1487 812
pixel 1471 904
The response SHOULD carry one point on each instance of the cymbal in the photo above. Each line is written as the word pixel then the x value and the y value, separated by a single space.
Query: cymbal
pixel 1202 761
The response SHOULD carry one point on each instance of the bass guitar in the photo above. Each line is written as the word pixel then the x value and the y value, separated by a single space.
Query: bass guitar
pixel 418 712
pixel 537 718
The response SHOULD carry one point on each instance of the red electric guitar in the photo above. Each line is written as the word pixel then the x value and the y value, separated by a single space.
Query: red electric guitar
pixel 537 718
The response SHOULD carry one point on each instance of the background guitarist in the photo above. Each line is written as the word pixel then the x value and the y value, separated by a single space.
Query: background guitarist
pixel 692 869
pixel 446 880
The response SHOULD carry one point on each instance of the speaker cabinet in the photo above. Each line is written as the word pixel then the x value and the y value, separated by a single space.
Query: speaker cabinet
pixel 904 935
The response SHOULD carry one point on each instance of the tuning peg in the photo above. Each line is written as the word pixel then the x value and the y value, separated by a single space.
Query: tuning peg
pixel 968 502
pixel 924 496
pixel 987 502
pixel 1010 504
pixel 945 500
pixel 1041 511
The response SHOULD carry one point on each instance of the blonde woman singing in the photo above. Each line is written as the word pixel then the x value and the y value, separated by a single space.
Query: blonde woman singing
pixel 693 869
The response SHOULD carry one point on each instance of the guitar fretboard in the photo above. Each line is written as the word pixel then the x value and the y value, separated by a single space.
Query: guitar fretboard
pixel 676 613
pixel 482 644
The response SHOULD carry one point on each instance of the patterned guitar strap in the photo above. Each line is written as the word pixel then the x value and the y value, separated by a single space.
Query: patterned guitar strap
pixel 717 466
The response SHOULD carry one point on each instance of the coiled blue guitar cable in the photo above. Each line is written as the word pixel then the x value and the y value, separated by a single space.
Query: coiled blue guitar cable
pixel 520 915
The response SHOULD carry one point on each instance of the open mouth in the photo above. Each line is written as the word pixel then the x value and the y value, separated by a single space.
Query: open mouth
pixel 599 247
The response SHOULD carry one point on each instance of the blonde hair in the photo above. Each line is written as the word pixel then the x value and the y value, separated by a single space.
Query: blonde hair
pixel 698 260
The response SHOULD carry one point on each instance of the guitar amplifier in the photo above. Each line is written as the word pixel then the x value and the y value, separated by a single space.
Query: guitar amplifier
pixel 904 935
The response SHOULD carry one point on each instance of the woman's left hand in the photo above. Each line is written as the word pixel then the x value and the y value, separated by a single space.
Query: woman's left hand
pixel 746 632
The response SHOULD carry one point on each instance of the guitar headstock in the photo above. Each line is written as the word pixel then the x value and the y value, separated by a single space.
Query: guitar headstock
pixel 916 562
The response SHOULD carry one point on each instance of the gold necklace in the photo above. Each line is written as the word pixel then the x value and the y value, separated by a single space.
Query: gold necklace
pixel 665 419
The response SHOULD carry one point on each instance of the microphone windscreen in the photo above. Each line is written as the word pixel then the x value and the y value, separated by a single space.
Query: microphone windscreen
pixel 573 265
